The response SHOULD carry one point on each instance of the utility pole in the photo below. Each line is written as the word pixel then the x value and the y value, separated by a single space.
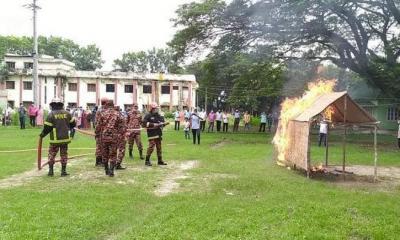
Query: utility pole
pixel 35 54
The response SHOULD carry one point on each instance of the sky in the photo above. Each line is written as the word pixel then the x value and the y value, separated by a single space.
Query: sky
pixel 115 26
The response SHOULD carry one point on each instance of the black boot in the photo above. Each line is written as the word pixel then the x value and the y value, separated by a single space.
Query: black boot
pixel 111 171
pixel 51 171
pixel 141 154
pixel 119 167
pixel 99 161
pixel 130 153
pixel 160 161
pixel 106 169
pixel 147 162
pixel 64 170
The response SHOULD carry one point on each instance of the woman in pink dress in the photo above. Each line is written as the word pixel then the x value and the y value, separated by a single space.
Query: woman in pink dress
pixel 39 116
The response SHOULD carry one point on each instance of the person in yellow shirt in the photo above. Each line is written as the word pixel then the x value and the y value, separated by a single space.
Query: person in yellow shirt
pixel 246 119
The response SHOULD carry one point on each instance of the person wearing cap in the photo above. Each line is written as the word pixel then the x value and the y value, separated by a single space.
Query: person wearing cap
pixel 134 123
pixel 58 124
pixel 109 128
pixel 99 160
pixel 121 142
pixel 154 122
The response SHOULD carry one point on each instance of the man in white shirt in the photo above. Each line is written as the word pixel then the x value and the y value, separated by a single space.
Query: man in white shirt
pixel 195 124
pixel 177 120
pixel 323 131
pixel 203 115
pixel 218 118
pixel 398 134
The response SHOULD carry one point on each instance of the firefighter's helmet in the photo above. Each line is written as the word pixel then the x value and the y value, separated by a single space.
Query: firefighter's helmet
pixel 55 100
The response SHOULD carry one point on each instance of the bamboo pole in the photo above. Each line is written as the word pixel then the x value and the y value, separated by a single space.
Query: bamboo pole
pixel 376 154
pixel 344 136
pixel 327 147
pixel 308 150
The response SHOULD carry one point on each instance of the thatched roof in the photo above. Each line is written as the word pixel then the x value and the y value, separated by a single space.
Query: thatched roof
pixel 355 113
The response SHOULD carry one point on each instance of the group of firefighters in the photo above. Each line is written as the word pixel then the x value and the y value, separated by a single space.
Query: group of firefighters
pixel 112 132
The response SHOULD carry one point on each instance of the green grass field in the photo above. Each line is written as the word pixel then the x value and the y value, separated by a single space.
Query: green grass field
pixel 234 191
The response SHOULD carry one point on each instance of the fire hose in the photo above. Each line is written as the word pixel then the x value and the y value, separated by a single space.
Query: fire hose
pixel 89 133
pixel 39 155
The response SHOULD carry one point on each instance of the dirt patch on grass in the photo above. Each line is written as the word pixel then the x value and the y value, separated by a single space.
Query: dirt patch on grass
pixel 363 170
pixel 20 179
pixel 361 177
pixel 203 182
pixel 169 184
pixel 220 143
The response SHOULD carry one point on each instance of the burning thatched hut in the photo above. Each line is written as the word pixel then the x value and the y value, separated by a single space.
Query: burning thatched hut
pixel 344 112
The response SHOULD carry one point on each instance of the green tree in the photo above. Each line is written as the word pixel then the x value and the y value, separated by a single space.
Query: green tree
pixel 154 60
pixel 88 58
pixel 247 80
pixel 85 58
pixel 361 35
pixel 132 61
pixel 257 85
pixel 3 72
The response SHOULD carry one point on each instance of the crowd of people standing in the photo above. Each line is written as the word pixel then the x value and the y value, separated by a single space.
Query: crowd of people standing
pixel 34 113
pixel 218 121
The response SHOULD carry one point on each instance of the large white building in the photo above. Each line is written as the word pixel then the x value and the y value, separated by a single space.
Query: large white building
pixel 58 78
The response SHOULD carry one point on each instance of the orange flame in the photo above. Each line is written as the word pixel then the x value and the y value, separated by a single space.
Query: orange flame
pixel 328 113
pixel 291 108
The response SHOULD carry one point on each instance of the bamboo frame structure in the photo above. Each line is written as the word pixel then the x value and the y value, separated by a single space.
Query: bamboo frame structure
pixel 347 114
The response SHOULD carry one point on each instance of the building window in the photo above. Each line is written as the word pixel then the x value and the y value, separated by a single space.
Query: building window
pixel 72 87
pixel 45 80
pixel 27 85
pixel 165 90
pixel 91 87
pixel 175 88
pixel 110 87
pixel 55 91
pixel 10 85
pixel 10 66
pixel 392 114
pixel 11 104
pixel 129 88
pixel 146 88
pixel 28 65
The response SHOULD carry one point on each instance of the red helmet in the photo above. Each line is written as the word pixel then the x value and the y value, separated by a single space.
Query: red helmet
pixel 153 105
